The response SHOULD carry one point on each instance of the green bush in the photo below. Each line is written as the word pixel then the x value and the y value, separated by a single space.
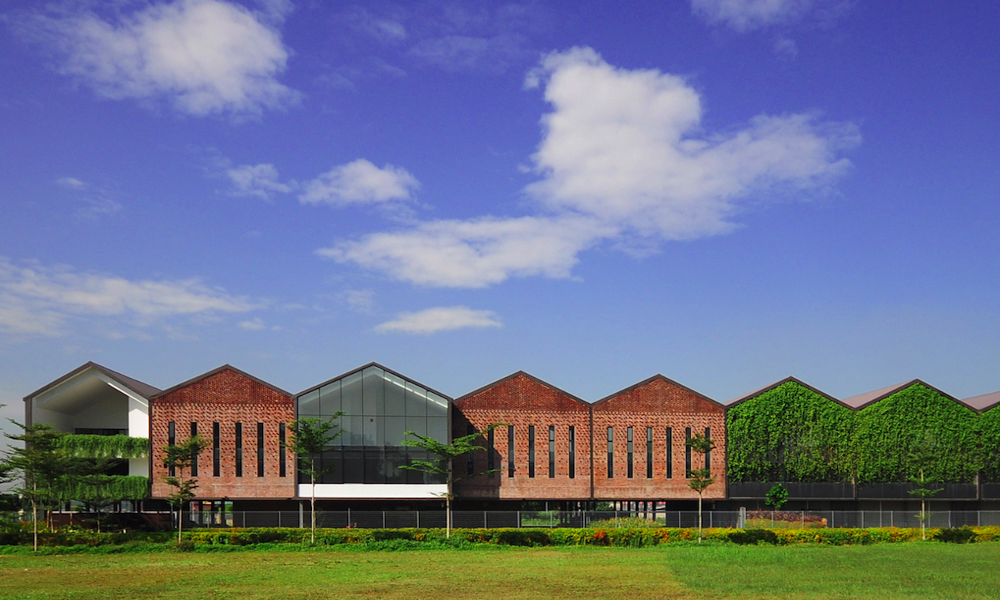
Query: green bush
pixel 958 535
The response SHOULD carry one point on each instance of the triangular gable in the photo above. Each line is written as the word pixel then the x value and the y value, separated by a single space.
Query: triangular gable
pixel 789 379
pixel 655 380
pixel 520 381
pixel 142 389
pixel 216 371
pixel 373 364
pixel 865 400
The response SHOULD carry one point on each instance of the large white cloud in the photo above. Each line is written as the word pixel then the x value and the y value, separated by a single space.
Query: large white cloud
pixel 40 300
pixel 203 56
pixel 359 182
pixel 622 157
pixel 443 318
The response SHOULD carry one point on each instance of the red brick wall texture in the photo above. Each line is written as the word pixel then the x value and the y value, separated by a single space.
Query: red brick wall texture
pixel 226 396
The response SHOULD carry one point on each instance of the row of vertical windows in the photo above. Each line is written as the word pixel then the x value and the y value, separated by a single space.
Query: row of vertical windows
pixel 553 458
pixel 630 452
pixel 238 453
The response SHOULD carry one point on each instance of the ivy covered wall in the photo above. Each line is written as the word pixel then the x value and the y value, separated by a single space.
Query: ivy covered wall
pixel 789 433
pixel 105 446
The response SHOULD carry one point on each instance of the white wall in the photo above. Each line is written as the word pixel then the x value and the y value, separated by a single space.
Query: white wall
pixel 371 491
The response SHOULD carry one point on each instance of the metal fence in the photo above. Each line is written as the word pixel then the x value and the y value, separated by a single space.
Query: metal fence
pixel 524 519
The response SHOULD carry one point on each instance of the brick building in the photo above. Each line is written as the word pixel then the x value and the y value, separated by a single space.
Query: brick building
pixel 640 450
pixel 244 421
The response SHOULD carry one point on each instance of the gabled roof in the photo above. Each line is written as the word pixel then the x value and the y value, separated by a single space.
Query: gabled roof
pixel 374 364
pixel 656 377
pixel 868 398
pixel 770 387
pixel 143 389
pixel 225 367
pixel 529 376
pixel 983 403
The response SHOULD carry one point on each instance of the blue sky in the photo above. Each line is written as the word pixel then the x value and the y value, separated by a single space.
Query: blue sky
pixel 726 192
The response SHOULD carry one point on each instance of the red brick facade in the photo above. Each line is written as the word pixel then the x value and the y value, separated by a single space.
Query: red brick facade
pixel 524 401
pixel 656 403
pixel 226 396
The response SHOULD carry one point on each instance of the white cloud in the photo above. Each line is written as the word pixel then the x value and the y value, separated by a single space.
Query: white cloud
pixel 362 301
pixel 203 56
pixel 40 300
pixel 359 182
pixel 785 47
pixel 260 181
pixel 622 158
pixel 444 318
pixel 255 324
pixel 471 53
pixel 71 183
pixel 747 15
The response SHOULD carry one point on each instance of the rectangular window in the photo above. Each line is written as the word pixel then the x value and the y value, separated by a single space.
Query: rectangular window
pixel 687 453
pixel 629 449
pixel 708 455
pixel 611 452
pixel 260 449
pixel 491 462
pixel 216 449
pixel 171 441
pixel 510 451
pixel 649 453
pixel 239 449
pixel 552 451
pixel 194 459
pixel 670 452
pixel 531 450
pixel 572 452
pixel 282 451
pixel 470 459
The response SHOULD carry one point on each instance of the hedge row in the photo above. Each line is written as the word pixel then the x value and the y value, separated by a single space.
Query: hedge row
pixel 632 538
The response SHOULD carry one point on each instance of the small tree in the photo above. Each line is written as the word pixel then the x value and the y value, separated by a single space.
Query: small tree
pixel 700 479
pixel 444 456
pixel 921 460
pixel 181 457
pixel 43 464
pixel 310 436
pixel 776 497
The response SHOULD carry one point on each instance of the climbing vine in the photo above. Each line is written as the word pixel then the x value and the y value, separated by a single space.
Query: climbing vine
pixel 97 489
pixel 989 432
pixel 105 446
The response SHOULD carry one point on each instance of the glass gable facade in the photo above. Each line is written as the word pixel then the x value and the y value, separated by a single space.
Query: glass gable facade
pixel 379 407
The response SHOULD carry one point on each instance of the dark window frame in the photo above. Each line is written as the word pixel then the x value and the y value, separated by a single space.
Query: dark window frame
pixel 611 452
pixel 510 452
pixel 629 450
pixel 260 450
pixel 649 453
pixel 216 449
pixel 572 452
pixel 172 441
pixel 552 451
pixel 670 453
pixel 531 451
pixel 238 449
pixel 282 452
pixel 194 459
pixel 687 453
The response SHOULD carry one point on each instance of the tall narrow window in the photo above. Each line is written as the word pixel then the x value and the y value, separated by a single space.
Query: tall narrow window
pixel 708 455
pixel 171 441
pixel 629 449
pixel 470 460
pixel 239 450
pixel 510 451
pixel 491 462
pixel 687 453
pixel 260 449
pixel 552 451
pixel 670 452
pixel 531 450
pixel 216 449
pixel 572 452
pixel 649 453
pixel 281 450
pixel 611 452
pixel 194 459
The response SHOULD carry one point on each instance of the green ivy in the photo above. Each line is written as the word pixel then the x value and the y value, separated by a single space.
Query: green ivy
pixel 886 431
pixel 96 489
pixel 789 433
pixel 989 432
pixel 105 446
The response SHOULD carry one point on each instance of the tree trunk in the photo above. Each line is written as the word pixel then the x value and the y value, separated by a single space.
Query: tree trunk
pixel 180 521
pixel 312 511
pixel 699 517
pixel 34 521
pixel 447 510
pixel 923 518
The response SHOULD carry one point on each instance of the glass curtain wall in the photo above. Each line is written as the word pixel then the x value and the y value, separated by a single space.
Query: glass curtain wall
pixel 379 407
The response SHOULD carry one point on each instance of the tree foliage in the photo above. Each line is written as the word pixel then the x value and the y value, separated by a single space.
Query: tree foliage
pixel 104 446
pixel 310 437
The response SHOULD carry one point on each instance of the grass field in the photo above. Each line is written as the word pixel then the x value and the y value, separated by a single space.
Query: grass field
pixel 924 571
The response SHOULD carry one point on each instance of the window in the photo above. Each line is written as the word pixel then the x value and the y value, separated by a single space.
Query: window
pixel 611 452
pixel 708 455
pixel 490 454
pixel 216 449
pixel 194 459
pixel 649 453
pixel 670 452
pixel 552 451
pixel 510 451
pixel 239 449
pixel 470 460
pixel 531 450
pixel 687 453
pixel 629 448
pixel 572 452
pixel 171 441
pixel 260 449
pixel 281 450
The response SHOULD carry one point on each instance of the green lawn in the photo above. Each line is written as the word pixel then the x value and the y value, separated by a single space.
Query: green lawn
pixel 924 571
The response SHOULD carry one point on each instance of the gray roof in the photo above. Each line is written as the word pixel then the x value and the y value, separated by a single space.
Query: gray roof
pixel 984 402
pixel 143 389
pixel 862 400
